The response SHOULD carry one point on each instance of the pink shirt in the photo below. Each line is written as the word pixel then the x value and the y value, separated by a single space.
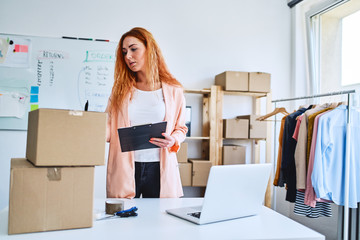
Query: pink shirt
pixel 310 196
pixel 296 131
pixel 120 180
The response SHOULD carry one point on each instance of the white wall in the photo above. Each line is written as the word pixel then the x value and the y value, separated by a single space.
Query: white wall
pixel 199 39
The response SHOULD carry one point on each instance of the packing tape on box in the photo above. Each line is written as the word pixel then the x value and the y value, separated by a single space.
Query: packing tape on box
pixel 75 113
pixel 54 174
pixel 113 206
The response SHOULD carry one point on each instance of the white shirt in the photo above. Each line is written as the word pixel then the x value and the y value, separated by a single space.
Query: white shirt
pixel 147 107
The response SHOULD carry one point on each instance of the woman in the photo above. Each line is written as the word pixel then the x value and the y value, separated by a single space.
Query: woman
pixel 144 91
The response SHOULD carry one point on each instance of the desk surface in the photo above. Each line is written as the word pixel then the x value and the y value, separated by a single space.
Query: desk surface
pixel 154 223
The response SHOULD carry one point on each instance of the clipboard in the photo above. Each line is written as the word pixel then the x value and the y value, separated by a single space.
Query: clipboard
pixel 137 137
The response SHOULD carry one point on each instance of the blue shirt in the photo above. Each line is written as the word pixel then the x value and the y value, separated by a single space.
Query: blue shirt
pixel 328 176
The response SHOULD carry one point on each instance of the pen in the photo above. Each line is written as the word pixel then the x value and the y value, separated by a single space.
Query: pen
pixel 69 37
pixel 86 105
pixel 88 39
pixel 102 40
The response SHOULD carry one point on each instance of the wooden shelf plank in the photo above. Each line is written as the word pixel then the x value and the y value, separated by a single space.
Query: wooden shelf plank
pixel 203 91
pixel 251 94
pixel 198 138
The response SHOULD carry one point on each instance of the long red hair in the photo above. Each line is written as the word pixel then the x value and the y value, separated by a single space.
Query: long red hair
pixel 156 69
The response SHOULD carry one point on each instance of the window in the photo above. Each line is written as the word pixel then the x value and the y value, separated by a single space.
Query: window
pixel 334 46
pixel 350 49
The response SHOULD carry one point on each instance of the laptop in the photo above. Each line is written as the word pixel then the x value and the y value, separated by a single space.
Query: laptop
pixel 233 191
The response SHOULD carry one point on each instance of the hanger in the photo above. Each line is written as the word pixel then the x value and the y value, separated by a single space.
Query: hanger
pixel 342 103
pixel 276 111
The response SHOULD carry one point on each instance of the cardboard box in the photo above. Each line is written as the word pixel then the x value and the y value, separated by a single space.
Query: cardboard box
pixel 182 154
pixel 233 81
pixel 234 154
pixel 185 174
pixel 257 129
pixel 236 128
pixel 200 172
pixel 44 199
pixel 66 138
pixel 259 82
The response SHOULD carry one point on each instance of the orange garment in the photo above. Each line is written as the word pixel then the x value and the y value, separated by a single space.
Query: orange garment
pixel 120 180
pixel 278 164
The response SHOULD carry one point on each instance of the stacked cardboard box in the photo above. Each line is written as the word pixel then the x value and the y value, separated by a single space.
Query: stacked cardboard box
pixel 53 188
pixel 182 154
pixel 200 172
pixel 185 174
pixel 236 128
pixel 244 81
pixel 234 154
pixel 193 172
pixel 244 127
pixel 257 129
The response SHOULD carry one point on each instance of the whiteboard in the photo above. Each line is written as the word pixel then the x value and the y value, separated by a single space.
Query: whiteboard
pixel 43 72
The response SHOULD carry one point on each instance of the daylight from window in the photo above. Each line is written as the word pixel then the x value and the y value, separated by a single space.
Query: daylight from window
pixel 350 49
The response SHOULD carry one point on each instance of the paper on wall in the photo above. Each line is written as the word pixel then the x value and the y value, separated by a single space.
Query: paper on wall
pixel 4 46
pixel 15 52
pixel 13 104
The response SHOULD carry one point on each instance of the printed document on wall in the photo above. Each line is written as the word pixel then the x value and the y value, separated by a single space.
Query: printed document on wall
pixel 13 104
pixel 14 52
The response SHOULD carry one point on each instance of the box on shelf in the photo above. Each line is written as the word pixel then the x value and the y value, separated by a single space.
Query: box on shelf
pixel 236 128
pixel 234 154
pixel 185 174
pixel 66 138
pixel 257 129
pixel 48 198
pixel 200 172
pixel 233 81
pixel 259 82
pixel 182 154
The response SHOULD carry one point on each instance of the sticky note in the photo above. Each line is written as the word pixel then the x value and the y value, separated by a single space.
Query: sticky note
pixel 21 48
pixel 34 90
pixel 34 107
pixel 34 98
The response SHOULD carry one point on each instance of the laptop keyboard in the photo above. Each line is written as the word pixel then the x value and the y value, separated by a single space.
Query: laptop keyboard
pixel 195 214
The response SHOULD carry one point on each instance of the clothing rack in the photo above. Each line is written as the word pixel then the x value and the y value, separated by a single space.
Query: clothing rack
pixel 345 226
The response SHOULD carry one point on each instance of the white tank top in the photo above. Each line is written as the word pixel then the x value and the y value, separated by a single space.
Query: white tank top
pixel 147 107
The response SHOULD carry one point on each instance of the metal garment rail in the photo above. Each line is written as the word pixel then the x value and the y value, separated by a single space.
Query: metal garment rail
pixel 344 228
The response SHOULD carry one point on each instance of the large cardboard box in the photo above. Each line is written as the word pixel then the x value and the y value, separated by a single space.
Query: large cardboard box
pixel 43 199
pixel 233 81
pixel 234 154
pixel 66 138
pixel 200 172
pixel 236 128
pixel 182 154
pixel 257 129
pixel 259 82
pixel 185 174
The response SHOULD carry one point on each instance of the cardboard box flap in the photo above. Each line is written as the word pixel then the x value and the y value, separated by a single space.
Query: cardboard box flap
pixel 20 163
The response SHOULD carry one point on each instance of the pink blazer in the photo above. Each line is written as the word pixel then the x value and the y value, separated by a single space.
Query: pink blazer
pixel 120 181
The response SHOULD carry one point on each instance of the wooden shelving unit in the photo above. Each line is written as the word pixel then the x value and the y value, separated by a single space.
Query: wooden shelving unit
pixel 212 139
pixel 212 121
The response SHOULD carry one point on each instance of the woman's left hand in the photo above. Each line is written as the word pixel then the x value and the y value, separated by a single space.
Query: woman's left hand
pixel 169 141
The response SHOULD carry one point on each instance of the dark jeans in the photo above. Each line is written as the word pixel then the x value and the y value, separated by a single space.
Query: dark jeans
pixel 147 179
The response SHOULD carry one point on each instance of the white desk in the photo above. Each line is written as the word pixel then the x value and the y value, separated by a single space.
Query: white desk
pixel 153 223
